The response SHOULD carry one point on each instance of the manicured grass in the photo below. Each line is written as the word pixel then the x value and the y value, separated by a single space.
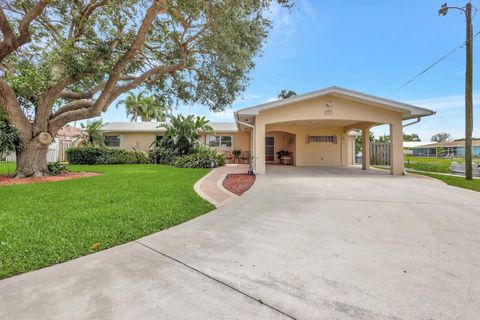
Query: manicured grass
pixel 46 223
pixel 453 180
pixel 439 165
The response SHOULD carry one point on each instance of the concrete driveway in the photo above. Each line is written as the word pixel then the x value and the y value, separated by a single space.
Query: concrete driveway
pixel 303 244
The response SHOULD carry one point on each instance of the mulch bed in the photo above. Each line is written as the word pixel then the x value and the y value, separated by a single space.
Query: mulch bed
pixel 8 180
pixel 238 183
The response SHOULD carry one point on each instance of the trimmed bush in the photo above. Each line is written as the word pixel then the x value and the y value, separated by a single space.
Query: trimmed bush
pixel 56 168
pixel 103 155
pixel 162 155
pixel 204 158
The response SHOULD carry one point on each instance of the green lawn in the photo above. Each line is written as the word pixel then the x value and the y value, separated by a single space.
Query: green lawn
pixel 430 164
pixel 46 223
pixel 453 180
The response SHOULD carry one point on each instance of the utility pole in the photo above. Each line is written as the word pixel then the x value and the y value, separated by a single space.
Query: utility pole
pixel 467 10
pixel 468 94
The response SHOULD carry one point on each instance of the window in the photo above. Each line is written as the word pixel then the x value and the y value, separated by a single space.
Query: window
pixel 219 141
pixel 112 141
pixel 330 139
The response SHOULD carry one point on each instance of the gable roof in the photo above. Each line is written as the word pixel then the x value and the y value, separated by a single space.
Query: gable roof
pixel 409 111
pixel 446 144
pixel 156 127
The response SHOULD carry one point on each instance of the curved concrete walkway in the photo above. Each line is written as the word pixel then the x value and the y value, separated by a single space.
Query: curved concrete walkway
pixel 301 244
pixel 210 187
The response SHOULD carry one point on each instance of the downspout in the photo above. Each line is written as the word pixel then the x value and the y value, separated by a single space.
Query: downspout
pixel 254 139
pixel 411 123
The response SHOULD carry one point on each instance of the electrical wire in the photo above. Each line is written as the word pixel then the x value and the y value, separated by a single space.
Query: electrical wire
pixel 431 66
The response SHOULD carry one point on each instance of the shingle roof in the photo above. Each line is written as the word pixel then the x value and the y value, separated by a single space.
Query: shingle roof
pixel 448 144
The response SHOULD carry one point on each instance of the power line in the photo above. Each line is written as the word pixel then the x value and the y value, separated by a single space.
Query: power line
pixel 431 66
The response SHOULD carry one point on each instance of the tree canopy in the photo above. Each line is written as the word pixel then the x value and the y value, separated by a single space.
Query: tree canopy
pixel 441 137
pixel 284 94
pixel 144 107
pixel 63 61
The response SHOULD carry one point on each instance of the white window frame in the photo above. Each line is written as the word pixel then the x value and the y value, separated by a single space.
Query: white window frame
pixel 207 141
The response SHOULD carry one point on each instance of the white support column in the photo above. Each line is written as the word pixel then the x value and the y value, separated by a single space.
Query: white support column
pixel 365 148
pixel 260 147
pixel 396 148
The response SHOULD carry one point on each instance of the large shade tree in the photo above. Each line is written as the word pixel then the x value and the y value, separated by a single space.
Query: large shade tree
pixel 68 60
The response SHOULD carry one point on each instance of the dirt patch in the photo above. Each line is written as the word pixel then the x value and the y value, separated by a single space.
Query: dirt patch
pixel 238 183
pixel 8 180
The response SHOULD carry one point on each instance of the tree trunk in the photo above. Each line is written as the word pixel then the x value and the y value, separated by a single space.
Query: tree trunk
pixel 32 160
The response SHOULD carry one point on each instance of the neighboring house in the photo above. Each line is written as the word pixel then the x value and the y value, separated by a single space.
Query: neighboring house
pixel 449 148
pixel 316 128
pixel 409 145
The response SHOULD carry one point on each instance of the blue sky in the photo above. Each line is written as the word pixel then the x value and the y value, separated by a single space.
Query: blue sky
pixel 369 46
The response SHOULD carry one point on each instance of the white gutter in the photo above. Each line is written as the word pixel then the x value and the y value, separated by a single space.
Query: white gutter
pixel 411 123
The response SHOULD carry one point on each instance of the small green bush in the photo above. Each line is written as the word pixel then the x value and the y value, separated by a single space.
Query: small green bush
pixel 103 155
pixel 163 155
pixel 56 168
pixel 203 158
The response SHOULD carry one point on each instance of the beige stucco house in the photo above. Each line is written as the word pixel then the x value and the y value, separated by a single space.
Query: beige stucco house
pixel 316 129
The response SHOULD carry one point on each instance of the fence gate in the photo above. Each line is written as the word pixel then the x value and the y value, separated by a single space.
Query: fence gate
pixel 380 153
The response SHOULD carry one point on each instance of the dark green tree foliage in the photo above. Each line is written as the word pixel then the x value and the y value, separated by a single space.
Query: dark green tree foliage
pixel 68 60
pixel 9 138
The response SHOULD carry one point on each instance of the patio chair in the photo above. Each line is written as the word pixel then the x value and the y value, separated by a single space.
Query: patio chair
pixel 245 156
pixel 228 156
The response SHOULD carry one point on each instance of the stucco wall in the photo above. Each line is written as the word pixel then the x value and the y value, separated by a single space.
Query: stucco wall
pixel 138 140
pixel 314 153
pixel 361 115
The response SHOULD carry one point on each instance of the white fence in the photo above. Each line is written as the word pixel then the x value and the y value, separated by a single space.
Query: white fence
pixel 56 152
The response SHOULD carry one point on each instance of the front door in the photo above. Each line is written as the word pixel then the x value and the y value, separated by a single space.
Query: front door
pixel 269 149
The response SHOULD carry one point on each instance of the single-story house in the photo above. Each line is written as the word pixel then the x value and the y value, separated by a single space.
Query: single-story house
pixel 448 148
pixel 315 128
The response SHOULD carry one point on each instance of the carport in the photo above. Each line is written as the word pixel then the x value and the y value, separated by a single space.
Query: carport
pixel 315 127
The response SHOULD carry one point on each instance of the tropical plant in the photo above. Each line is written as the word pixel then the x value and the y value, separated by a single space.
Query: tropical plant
pixel 284 94
pixel 143 107
pixel 65 61
pixel 183 131
pixel 91 136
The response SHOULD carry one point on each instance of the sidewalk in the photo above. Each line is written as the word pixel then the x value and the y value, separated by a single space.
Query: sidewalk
pixel 211 189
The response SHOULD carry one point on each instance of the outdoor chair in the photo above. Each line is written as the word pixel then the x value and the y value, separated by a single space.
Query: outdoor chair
pixel 245 157
pixel 229 157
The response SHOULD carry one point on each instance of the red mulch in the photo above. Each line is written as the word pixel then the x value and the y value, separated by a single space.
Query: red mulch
pixel 238 183
pixel 8 180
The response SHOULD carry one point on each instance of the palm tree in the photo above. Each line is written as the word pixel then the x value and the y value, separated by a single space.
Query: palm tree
pixel 183 131
pixel 91 135
pixel 284 94
pixel 143 107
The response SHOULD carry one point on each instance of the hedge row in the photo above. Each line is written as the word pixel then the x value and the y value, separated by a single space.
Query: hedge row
pixel 103 155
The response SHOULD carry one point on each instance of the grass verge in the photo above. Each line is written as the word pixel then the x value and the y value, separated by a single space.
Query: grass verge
pixel 453 180
pixel 47 223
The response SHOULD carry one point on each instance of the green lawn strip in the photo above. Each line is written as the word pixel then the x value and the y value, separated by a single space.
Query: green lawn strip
pixel 452 180
pixel 7 168
pixel 45 223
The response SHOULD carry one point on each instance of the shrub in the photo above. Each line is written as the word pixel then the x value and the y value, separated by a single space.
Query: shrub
pixel 203 158
pixel 56 168
pixel 103 155
pixel 162 155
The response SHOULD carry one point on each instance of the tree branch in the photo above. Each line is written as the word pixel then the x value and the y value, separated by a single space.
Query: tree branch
pixel 15 116
pixel 12 42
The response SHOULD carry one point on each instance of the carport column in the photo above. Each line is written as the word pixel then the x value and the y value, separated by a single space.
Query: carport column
pixel 365 148
pixel 396 148
pixel 260 146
